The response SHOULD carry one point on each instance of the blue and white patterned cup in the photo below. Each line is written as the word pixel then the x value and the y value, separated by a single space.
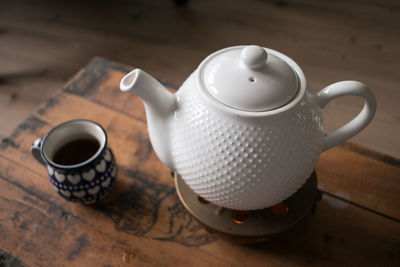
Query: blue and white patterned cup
pixel 85 181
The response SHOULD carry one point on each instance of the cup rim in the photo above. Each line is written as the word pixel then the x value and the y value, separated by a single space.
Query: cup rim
pixel 98 153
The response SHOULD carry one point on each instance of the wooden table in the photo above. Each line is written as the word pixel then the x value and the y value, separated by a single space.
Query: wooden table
pixel 142 222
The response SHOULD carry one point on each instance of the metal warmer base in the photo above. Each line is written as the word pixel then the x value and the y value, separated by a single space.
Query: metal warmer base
pixel 253 226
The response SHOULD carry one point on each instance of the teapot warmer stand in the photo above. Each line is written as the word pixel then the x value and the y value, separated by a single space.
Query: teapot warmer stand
pixel 249 227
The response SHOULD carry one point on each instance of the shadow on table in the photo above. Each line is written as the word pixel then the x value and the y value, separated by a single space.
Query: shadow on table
pixel 337 233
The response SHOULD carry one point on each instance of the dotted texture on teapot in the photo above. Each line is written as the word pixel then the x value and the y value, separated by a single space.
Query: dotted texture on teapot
pixel 238 165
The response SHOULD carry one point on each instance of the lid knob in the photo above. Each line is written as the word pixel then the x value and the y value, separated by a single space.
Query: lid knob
pixel 254 56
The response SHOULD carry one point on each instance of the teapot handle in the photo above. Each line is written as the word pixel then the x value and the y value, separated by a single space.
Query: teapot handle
pixel 347 88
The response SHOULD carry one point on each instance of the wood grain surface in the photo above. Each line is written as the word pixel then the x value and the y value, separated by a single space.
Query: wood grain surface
pixel 142 223
pixel 43 43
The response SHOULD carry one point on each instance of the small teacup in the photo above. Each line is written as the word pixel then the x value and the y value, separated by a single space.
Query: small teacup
pixel 81 167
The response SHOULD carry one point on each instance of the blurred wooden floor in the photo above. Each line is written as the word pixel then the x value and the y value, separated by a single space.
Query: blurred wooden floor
pixel 43 43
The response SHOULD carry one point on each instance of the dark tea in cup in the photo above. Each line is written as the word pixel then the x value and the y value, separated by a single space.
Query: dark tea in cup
pixel 76 151
pixel 81 167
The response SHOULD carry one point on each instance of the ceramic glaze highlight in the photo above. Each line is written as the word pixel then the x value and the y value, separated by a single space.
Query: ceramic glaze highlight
pixel 244 131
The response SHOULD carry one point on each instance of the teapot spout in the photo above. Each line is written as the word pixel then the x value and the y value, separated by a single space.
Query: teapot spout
pixel 152 92
pixel 160 106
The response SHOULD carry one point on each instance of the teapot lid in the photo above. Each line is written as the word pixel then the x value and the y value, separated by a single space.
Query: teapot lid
pixel 249 78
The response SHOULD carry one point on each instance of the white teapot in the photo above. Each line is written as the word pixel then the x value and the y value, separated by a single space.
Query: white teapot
pixel 244 131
